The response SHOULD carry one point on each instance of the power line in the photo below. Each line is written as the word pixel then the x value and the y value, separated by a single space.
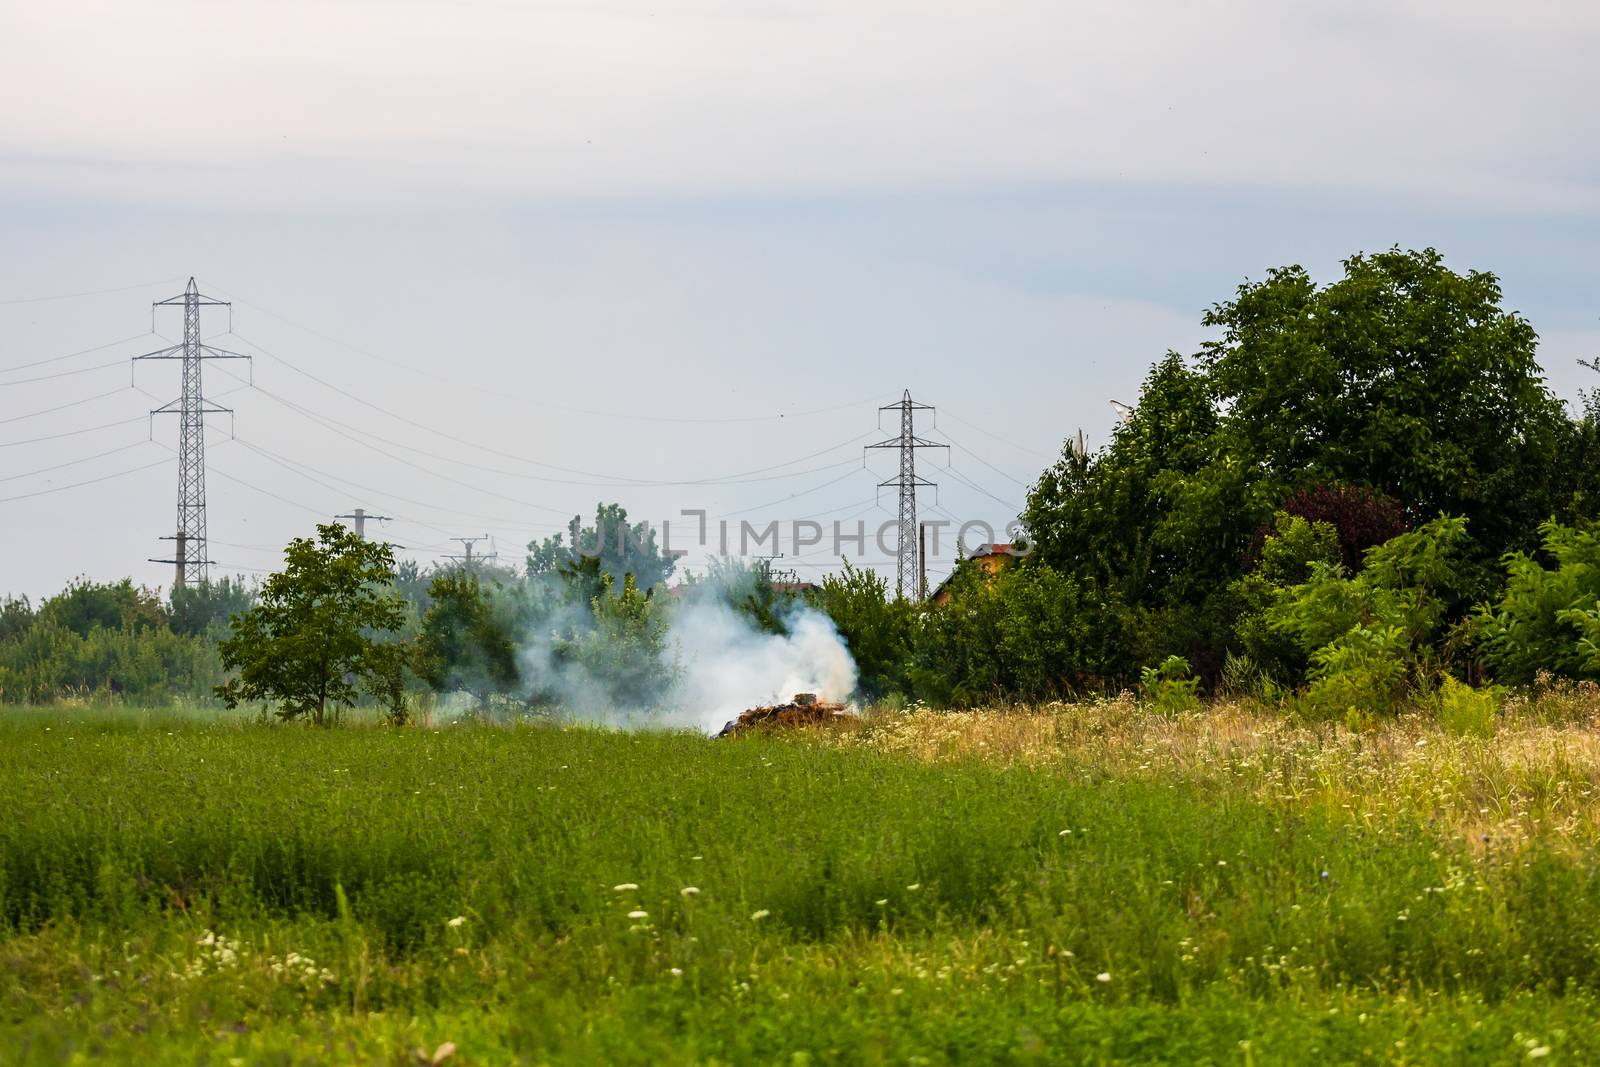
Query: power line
pixel 62 374
pixel 616 481
pixel 70 355
pixel 295 467
pixel 791 496
pixel 605 480
pixel 396 496
pixel 265 492
pixel 1020 448
pixel 985 462
pixel 91 292
pixel 68 404
pixel 78 485
pixel 75 462
pixel 390 363
pixel 72 433
pixel 975 487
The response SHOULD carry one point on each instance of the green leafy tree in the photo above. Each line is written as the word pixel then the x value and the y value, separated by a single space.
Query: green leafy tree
pixel 622 549
pixel 1021 634
pixel 85 605
pixel 750 587
pixel 313 637
pixel 467 639
pixel 1402 385
pixel 197 609
pixel 620 658
pixel 876 627
pixel 1153 528
pixel 1402 375
pixel 16 617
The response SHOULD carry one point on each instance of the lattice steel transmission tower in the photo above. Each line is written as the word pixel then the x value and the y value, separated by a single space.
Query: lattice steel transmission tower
pixel 905 571
pixel 191 407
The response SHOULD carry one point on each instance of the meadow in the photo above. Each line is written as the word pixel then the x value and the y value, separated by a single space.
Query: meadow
pixel 1089 883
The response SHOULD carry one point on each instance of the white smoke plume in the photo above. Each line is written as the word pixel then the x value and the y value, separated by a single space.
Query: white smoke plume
pixel 715 663
pixel 727 665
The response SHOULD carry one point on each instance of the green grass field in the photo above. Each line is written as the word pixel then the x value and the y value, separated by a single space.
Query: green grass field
pixel 1029 889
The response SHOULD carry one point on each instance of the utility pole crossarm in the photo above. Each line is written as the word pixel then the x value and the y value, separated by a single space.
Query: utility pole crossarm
pixel 359 516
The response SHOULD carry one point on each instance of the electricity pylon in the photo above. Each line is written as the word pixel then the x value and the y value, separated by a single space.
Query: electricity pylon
pixel 905 570
pixel 191 407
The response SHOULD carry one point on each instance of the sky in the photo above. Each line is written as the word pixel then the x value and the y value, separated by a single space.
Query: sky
pixel 498 261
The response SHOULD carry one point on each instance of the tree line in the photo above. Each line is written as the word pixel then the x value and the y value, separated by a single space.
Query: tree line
pixel 1356 496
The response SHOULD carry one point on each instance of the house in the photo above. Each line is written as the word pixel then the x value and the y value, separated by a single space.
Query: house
pixel 990 559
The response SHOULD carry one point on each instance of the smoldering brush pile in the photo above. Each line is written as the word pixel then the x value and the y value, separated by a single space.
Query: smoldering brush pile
pixel 804 710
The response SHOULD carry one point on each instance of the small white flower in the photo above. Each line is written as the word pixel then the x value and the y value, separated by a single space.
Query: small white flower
pixel 638 915
pixel 1539 1052
pixel 757 916
pixel 690 891
pixel 1103 977
pixel 457 922
pixel 914 886
pixel 882 903
pixel 676 972
pixel 1064 833
pixel 625 887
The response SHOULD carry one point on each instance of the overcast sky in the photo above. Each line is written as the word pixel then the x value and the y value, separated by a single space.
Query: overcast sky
pixel 554 247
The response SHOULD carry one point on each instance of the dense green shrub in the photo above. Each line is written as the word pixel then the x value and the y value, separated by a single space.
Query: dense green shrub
pixel 1170 688
pixel 1369 637
pixel 142 664
pixel 1548 618
pixel 1022 634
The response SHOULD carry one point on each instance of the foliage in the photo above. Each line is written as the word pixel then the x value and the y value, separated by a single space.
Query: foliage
pixel 467 639
pixel 1359 517
pixel 1402 375
pixel 1170 688
pixel 1399 391
pixel 16 616
pixel 622 549
pixel 1020 634
pixel 875 626
pixel 751 588
pixel 207 607
pixel 311 638
pixel 1286 558
pixel 620 653
pixel 85 605
pixel 47 662
pixel 1464 711
pixel 1368 636
pixel 1547 619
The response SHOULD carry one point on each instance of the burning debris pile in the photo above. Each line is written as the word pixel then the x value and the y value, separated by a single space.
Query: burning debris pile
pixel 804 710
